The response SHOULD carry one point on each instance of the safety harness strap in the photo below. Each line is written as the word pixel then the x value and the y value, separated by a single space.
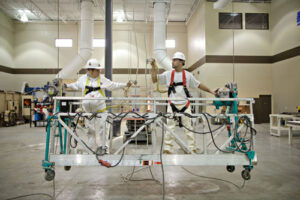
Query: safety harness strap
pixel 101 92
pixel 172 89
pixel 89 89
pixel 102 110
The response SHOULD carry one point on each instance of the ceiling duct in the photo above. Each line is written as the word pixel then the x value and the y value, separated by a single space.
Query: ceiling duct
pixel 160 52
pixel 86 38
pixel 220 4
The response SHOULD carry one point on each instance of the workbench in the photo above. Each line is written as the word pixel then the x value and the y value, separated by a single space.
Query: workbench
pixel 291 125
pixel 278 123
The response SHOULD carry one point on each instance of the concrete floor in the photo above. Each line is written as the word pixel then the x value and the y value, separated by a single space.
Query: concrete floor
pixel 277 175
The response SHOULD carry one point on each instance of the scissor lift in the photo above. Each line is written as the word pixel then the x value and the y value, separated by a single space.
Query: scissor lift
pixel 236 150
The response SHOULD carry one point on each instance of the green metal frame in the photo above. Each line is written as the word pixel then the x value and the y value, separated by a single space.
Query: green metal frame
pixel 62 138
pixel 234 110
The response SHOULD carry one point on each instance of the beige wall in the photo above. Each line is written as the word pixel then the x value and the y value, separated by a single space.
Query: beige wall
pixel 286 82
pixel 246 42
pixel 284 30
pixel 196 35
pixel 6 51
pixel 285 35
pixel 35 44
pixel 252 79
pixel 6 41
pixel 132 41
pixel 8 82
pixel 34 47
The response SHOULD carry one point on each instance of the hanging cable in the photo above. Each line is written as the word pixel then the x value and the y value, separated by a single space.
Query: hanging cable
pixel 161 161
pixel 157 84
pixel 233 58
pixel 52 197
pixel 213 178
pixel 137 50
pixel 146 49
pixel 129 176
pixel 130 56
pixel 146 69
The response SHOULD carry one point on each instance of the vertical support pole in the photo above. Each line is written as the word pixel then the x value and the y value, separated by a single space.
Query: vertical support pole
pixel 290 134
pixel 48 139
pixel 108 42
pixel 234 110
pixel 203 136
pixel 65 137
pixel 60 138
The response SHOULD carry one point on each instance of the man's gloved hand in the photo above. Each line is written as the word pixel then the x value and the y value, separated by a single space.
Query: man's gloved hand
pixel 129 84
pixel 153 63
pixel 216 92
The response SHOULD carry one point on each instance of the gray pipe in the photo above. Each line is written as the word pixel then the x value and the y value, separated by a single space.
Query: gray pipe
pixel 108 42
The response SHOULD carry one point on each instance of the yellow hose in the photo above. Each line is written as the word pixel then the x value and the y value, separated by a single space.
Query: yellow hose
pixel 121 104
pixel 157 85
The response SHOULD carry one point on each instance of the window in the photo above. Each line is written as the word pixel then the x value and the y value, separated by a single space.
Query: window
pixel 170 44
pixel 63 43
pixel 230 21
pixel 98 43
pixel 258 21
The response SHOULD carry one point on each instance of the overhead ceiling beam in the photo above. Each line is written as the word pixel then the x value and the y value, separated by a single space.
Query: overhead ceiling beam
pixel 169 10
pixel 40 10
pixel 124 10
pixel 100 4
pixel 220 4
pixel 189 15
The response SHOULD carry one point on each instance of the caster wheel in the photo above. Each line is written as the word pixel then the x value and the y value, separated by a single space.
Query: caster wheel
pixel 246 174
pixel 67 168
pixel 101 150
pixel 50 174
pixel 230 168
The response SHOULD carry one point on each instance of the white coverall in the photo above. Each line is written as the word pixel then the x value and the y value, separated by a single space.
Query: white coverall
pixel 191 82
pixel 95 126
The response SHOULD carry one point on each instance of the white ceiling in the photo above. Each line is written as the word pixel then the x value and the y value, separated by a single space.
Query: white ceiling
pixel 138 10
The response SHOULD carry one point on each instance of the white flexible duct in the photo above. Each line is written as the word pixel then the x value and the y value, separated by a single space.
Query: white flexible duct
pixel 86 38
pixel 220 4
pixel 160 53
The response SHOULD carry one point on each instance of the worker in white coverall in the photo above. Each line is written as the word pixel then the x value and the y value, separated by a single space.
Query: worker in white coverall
pixel 92 85
pixel 178 80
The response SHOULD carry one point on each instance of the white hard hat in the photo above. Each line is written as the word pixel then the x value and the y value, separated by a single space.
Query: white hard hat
pixel 179 55
pixel 93 64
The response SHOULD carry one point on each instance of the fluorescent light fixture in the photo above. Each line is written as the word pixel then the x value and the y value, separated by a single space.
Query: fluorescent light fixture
pixel 22 15
pixel 63 43
pixel 24 18
pixel 119 19
pixel 234 14
pixel 98 43
pixel 119 16
pixel 170 44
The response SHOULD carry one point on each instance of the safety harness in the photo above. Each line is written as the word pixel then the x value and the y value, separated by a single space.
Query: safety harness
pixel 89 89
pixel 172 89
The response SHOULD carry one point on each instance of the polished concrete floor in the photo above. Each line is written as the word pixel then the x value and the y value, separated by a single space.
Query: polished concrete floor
pixel 277 175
